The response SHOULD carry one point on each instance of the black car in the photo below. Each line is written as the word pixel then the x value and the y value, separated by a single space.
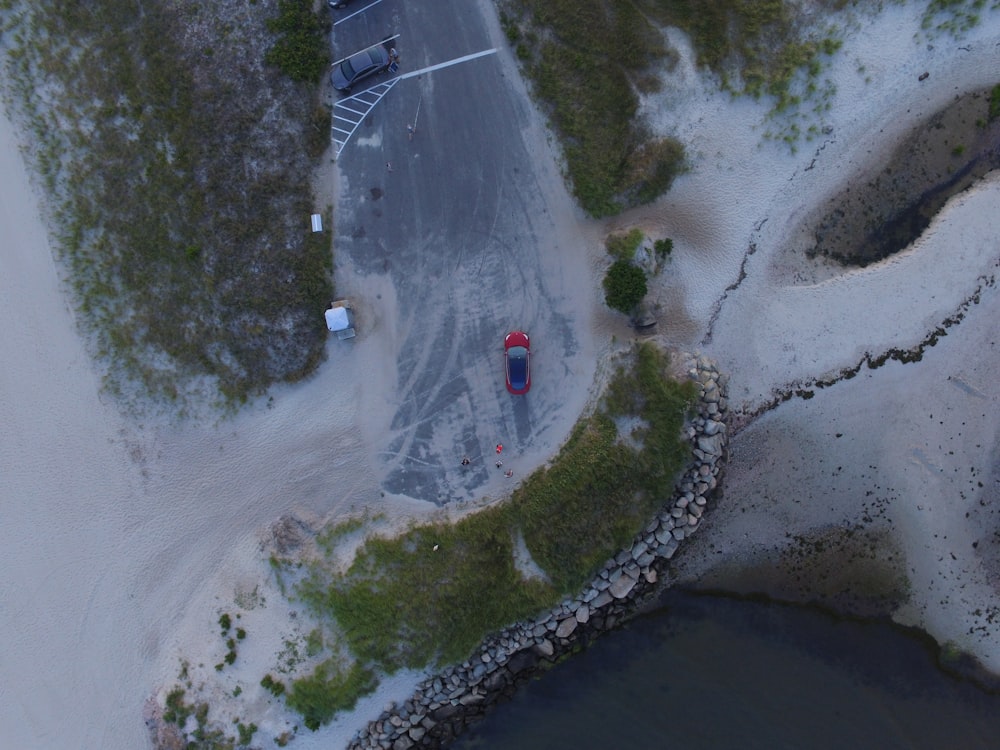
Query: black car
pixel 356 67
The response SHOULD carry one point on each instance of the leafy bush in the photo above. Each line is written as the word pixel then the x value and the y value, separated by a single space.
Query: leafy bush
pixel 995 102
pixel 301 51
pixel 273 686
pixel 225 622
pixel 624 286
pixel 663 247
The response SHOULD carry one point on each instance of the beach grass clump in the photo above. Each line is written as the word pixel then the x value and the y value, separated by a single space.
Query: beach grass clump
pixel 587 62
pixel 955 17
pixel 329 689
pixel 431 594
pixel 762 49
pixel 190 256
pixel 622 245
pixel 994 111
pixel 301 50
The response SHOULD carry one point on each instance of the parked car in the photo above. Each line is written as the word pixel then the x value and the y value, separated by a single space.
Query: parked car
pixel 517 362
pixel 338 3
pixel 357 67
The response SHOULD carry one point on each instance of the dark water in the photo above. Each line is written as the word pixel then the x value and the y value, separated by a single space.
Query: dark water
pixel 710 672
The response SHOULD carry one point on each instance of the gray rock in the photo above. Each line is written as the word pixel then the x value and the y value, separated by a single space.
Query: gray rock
pixel 621 588
pixel 417 733
pixel 711 445
pixel 403 743
pixel 590 594
pixel 650 576
pixel 602 600
pixel 678 533
pixel 646 560
pixel 663 535
pixel 583 614
pixel 471 698
pixel 544 648
pixel 566 627
pixel 713 427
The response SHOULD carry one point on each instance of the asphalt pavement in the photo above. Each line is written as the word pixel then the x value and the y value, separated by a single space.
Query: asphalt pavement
pixel 457 219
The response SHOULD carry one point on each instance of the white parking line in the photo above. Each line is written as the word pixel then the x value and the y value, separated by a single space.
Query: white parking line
pixel 359 10
pixel 456 61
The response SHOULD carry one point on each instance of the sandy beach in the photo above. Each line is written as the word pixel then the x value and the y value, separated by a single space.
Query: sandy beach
pixel 122 538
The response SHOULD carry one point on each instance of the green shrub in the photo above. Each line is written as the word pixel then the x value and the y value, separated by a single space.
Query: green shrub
pixel 273 686
pixel 225 622
pixel 663 247
pixel 624 286
pixel 240 634
pixel 246 732
pixel 301 51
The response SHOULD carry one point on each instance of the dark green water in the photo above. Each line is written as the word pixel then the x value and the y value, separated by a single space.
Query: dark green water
pixel 710 672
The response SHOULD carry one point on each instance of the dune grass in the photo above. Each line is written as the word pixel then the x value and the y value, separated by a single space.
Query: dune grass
pixel 587 59
pixel 177 166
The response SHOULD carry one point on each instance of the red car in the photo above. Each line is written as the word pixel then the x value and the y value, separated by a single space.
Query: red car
pixel 517 365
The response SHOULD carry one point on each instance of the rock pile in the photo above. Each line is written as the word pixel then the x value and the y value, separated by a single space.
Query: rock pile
pixel 443 705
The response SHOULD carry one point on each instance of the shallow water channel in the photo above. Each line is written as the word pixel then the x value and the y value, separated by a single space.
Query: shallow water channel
pixel 713 672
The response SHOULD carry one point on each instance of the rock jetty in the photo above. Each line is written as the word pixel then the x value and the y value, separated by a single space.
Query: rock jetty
pixel 443 705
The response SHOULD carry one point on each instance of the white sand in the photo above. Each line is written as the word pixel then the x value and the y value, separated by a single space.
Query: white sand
pixel 121 543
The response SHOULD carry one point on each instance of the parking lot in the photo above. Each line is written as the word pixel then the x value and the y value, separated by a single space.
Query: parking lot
pixel 446 241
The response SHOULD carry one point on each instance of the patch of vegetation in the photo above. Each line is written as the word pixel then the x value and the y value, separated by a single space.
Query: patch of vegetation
pixel 301 51
pixel 329 690
pixel 624 286
pixel 225 622
pixel 622 245
pixel 314 642
pixel 587 61
pixel 994 103
pixel 246 731
pixel 190 257
pixel 404 603
pixel 663 248
pixel 430 595
pixel 205 735
pixel 955 17
pixel 273 686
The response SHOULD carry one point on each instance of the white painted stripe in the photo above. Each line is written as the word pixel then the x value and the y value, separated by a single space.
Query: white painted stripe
pixel 456 61
pixel 359 10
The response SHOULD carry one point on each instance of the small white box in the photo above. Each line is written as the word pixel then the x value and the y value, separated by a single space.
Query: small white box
pixel 317 220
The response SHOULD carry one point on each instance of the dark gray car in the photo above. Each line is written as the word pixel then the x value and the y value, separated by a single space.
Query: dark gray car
pixel 357 67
